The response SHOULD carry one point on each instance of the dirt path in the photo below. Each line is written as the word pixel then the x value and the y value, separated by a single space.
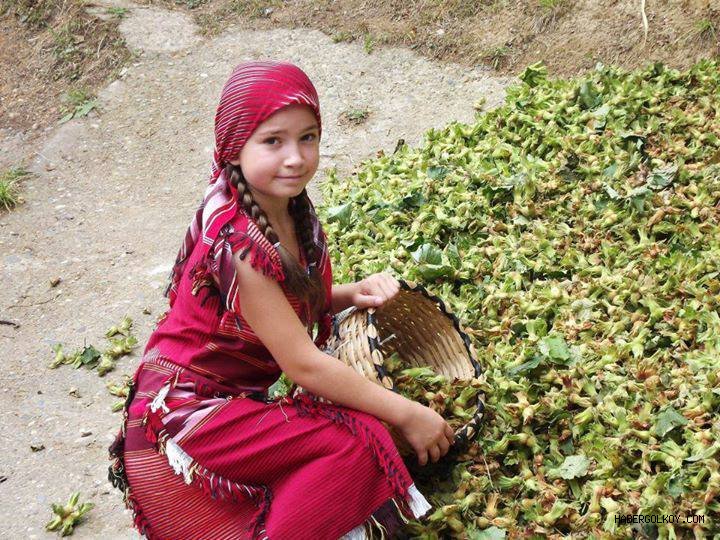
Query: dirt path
pixel 112 197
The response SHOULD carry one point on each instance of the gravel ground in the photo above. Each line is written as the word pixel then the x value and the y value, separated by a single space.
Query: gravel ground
pixel 107 209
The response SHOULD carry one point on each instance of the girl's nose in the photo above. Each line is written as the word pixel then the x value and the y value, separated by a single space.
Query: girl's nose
pixel 294 156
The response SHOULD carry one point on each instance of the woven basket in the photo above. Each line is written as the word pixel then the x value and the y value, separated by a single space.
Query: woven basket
pixel 423 332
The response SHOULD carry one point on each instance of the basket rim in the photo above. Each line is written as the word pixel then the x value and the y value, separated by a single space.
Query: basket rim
pixel 411 286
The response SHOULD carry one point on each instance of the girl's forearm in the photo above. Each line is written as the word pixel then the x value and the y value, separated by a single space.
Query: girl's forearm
pixel 328 377
pixel 342 296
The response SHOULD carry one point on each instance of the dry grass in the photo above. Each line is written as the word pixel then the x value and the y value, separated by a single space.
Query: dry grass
pixel 47 48
pixel 507 35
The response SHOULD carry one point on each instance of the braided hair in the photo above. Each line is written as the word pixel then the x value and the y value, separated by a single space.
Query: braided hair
pixel 308 287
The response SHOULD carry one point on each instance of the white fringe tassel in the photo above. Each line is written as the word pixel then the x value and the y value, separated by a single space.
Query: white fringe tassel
pixel 358 533
pixel 179 460
pixel 159 401
pixel 418 503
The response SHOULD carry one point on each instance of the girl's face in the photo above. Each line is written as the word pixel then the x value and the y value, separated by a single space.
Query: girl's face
pixel 281 156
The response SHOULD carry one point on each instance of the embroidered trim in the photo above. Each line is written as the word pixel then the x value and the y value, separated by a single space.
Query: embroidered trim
pixel 116 470
pixel 201 277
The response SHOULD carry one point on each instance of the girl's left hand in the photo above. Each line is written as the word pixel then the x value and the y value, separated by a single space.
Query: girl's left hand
pixel 375 290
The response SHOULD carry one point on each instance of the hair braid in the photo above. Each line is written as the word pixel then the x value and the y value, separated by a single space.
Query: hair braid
pixel 300 212
pixel 249 205
pixel 308 287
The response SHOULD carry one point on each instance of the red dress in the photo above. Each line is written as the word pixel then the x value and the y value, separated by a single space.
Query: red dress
pixel 204 454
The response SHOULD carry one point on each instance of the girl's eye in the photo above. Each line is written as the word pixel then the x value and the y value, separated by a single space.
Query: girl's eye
pixel 312 135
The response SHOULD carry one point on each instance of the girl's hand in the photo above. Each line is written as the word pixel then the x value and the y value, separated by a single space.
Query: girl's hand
pixel 427 432
pixel 375 290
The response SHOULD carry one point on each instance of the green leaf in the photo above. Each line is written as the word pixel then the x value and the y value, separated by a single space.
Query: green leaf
pixel 536 328
pixel 411 243
pixel 668 420
pixel 437 173
pixel 555 348
pixel 492 533
pixel 638 196
pixel 89 355
pixel 453 255
pixel 415 200
pixel 662 177
pixel 428 254
pixel 342 214
pixel 573 467
pixel 639 138
pixel 675 486
pixel 588 95
pixel 85 108
pixel 706 454
pixel 602 111
pixel 567 447
pixel 525 366
pixel 534 74
pixel 431 272
pixel 610 171
pixel 431 263
pixel 612 193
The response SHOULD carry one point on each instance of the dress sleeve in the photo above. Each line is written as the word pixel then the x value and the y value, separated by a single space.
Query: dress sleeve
pixel 252 244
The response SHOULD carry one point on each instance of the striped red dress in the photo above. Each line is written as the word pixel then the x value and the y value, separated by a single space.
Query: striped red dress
pixel 204 454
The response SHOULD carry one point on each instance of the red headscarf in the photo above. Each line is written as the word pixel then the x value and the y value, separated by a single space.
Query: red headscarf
pixel 254 91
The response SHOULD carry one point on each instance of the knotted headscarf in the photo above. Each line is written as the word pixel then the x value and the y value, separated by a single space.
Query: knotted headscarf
pixel 254 91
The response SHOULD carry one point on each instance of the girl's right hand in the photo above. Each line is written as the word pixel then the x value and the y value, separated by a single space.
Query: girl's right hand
pixel 427 432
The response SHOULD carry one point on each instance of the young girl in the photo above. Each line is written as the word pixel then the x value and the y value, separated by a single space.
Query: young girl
pixel 203 453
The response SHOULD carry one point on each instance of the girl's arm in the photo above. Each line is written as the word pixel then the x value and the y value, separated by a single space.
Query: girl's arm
pixel 342 296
